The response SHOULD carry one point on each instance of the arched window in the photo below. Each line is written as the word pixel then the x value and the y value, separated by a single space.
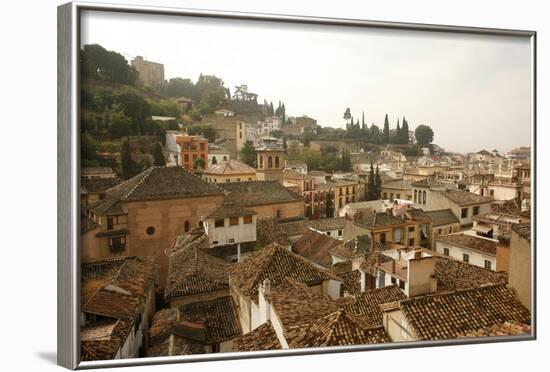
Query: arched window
pixel 186 226
pixel 261 161
pixel 423 197
pixel 214 160
pixel 415 194
pixel 270 162
pixel 276 162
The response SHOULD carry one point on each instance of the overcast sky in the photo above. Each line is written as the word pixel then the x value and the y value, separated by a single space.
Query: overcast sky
pixel 474 91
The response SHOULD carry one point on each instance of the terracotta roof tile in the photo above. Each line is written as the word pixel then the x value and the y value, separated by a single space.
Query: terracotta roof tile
pixel 463 198
pixel 336 329
pixel 501 329
pixel 315 247
pixel 227 210
pixel 192 271
pixel 442 217
pixel 277 264
pixel 252 193
pixel 261 338
pixel 448 315
pixel 454 275
pixel 524 230
pixel 467 241
pixel 367 303
pixel 230 167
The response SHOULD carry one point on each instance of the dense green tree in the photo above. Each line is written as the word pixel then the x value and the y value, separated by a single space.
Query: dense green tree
pixel 386 130
pixel 128 164
pixel 397 137
pixel 248 154
pixel 88 147
pixel 277 133
pixel 345 161
pixel 178 87
pixel 158 155
pixel 405 131
pixel 330 204
pixel 100 64
pixel 375 134
pixel 347 115
pixel 378 183
pixel 199 163
pixel 424 135
pixel 121 125
pixel 205 130
pixel 372 192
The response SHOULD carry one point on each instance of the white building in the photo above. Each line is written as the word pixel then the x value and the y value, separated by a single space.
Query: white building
pixel 475 250
pixel 230 224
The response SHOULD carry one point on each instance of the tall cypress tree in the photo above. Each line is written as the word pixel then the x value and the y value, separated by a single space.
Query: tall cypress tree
pixel 386 130
pixel 378 183
pixel 371 185
pixel 126 161
pixel 397 138
pixel 158 156
pixel 363 121
pixel 405 130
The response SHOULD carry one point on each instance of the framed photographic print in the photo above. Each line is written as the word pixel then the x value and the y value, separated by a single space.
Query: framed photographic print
pixel 235 185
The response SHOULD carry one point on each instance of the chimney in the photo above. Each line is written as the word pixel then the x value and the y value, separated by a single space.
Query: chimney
pixel 417 253
pixel 264 293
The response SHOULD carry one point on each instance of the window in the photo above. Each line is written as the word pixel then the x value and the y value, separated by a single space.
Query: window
pixel 232 240
pixel 328 233
pixel 465 257
pixel 219 222
pixel 464 213
pixel 446 251
pixel 117 244
pixel 391 196
pixel 401 284
pixel 276 162
pixel 488 265
pixel 398 196
pixel 339 232
pixel 385 195
pixel 186 226
pixel 215 242
pixel 233 221
pixel 109 223
pixel 150 230
pixel 185 158
pixel 201 146
pixel 261 161
pixel 492 193
pixel 439 231
pixel 393 280
pixel 270 162
pixel 247 219
pixel 476 210
pixel 423 197
pixel 411 228
pixel 415 198
pixel 383 238
pixel 411 242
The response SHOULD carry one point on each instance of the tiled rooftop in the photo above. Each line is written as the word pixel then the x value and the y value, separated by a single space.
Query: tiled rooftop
pixel 261 338
pixel 442 217
pixel 524 230
pixel 453 275
pixel 277 264
pixel 464 198
pixel 448 315
pixel 367 303
pixel 227 210
pixel 315 247
pixel 467 241
pixel 230 167
pixel 252 193
pixel 192 271
pixel 336 329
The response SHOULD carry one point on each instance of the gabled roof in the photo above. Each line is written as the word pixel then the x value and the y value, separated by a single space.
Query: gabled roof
pixel 227 210
pixel 358 246
pixel 230 167
pixel 203 323
pixel 470 242
pixel 328 224
pixel 98 185
pixel 115 289
pixel 352 282
pixel 371 218
pixel 261 338
pixel 464 198
pixel 367 303
pixel 442 217
pixel 277 264
pixel 337 329
pixel 453 275
pixel 162 183
pixel 296 304
pixel 448 315
pixel 315 247
pixel 192 271
pixel 253 193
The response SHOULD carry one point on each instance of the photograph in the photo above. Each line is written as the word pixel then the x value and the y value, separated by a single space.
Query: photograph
pixel 259 185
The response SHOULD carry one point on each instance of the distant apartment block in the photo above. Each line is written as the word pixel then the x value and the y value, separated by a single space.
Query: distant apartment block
pixel 192 149
pixel 150 73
